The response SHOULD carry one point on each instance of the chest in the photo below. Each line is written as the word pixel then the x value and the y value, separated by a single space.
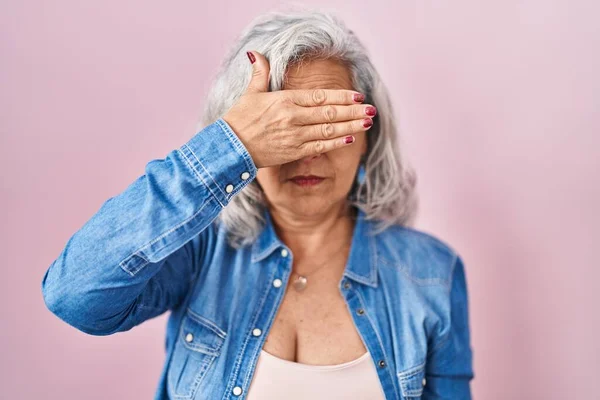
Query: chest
pixel 314 326
pixel 239 306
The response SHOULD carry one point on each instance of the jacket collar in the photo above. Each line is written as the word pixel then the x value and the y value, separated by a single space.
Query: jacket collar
pixel 362 261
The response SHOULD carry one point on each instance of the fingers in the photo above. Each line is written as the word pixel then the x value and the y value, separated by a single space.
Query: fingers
pixel 325 145
pixel 320 138
pixel 260 73
pixel 332 113
pixel 321 97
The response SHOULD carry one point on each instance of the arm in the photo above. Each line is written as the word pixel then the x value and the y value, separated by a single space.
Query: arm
pixel 449 368
pixel 137 256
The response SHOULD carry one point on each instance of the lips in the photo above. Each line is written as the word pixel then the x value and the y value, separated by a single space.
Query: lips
pixel 307 180
pixel 307 177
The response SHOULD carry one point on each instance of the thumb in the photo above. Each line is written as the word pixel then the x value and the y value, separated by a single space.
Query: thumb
pixel 260 73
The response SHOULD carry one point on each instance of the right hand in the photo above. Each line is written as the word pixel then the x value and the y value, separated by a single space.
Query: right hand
pixel 286 125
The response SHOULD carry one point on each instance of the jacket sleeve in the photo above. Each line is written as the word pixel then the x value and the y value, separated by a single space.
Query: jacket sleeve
pixel 136 257
pixel 449 366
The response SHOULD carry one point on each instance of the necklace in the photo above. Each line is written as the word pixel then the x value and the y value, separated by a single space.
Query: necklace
pixel 301 280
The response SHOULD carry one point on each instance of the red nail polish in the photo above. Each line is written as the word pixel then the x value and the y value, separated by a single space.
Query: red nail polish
pixel 370 110
pixel 348 139
pixel 367 122
pixel 251 57
pixel 359 97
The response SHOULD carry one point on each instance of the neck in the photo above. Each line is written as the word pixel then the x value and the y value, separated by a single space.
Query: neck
pixel 311 237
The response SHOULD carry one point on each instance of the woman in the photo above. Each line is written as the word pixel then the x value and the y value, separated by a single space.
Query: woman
pixel 259 235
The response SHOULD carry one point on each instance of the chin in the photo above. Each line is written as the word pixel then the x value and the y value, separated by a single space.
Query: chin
pixel 311 207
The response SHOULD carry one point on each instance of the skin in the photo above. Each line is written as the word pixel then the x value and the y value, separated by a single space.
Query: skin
pixel 314 326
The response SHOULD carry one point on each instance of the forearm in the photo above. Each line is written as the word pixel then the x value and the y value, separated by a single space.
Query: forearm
pixel 135 257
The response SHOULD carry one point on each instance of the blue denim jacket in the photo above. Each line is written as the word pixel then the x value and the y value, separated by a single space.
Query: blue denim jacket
pixel 157 247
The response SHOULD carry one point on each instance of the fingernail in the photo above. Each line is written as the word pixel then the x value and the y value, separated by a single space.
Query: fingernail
pixel 367 122
pixel 359 97
pixel 251 57
pixel 370 110
pixel 348 139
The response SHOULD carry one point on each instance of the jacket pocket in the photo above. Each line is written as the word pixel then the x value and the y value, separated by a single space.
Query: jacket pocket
pixel 197 346
pixel 412 381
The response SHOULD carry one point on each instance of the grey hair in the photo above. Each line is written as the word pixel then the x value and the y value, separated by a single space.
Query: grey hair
pixel 387 192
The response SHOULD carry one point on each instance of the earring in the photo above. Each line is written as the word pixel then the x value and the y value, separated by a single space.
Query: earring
pixel 361 173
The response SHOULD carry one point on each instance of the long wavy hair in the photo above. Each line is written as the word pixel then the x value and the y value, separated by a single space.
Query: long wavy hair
pixel 385 191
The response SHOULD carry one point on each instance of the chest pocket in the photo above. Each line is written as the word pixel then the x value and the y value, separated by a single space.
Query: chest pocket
pixel 197 346
pixel 412 381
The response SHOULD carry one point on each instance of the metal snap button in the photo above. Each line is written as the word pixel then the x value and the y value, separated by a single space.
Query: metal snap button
pixel 346 285
pixel 381 363
pixel 189 337
pixel 360 311
pixel 256 332
pixel 284 252
pixel 245 175
pixel 237 391
pixel 277 282
pixel 229 188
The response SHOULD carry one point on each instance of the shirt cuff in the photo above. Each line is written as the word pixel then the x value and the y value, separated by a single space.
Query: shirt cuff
pixel 220 160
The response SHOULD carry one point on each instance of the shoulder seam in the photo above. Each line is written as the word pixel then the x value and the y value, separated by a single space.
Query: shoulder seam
pixel 451 281
pixel 429 236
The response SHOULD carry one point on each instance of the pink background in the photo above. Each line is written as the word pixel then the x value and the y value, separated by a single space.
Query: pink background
pixel 499 105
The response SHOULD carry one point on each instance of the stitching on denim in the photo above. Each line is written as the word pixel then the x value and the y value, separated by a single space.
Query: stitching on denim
pixel 210 176
pixel 197 347
pixel 270 317
pixel 265 252
pixel 181 225
pixel 238 362
pixel 452 269
pixel 373 249
pixel 197 379
pixel 208 354
pixel 381 346
pixel 134 271
pixel 206 322
pixel 200 348
pixel 191 165
pixel 446 337
pixel 182 150
pixel 428 236
pixel 200 376
pixel 139 252
pixel 175 395
pixel 237 144
pixel 372 279
pixel 169 372
pixel 412 392
pixel 407 373
pixel 407 376
pixel 421 282
pixel 358 278
pixel 232 136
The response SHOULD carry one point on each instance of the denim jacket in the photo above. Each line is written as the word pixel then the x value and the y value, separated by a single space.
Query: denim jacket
pixel 157 247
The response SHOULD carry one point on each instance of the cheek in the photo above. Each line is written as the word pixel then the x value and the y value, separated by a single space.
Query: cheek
pixel 268 179
pixel 345 175
pixel 345 162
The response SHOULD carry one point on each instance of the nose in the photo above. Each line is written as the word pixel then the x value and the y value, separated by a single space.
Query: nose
pixel 309 159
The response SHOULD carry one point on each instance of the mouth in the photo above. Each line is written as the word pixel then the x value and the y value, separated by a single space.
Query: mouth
pixel 307 180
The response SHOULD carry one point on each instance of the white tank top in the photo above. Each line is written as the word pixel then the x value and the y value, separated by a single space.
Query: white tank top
pixel 276 378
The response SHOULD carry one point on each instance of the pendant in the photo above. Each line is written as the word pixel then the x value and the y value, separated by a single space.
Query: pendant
pixel 299 283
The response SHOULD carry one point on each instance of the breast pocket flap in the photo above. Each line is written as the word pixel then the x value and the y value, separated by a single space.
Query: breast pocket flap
pixel 201 335
pixel 412 381
pixel 197 346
